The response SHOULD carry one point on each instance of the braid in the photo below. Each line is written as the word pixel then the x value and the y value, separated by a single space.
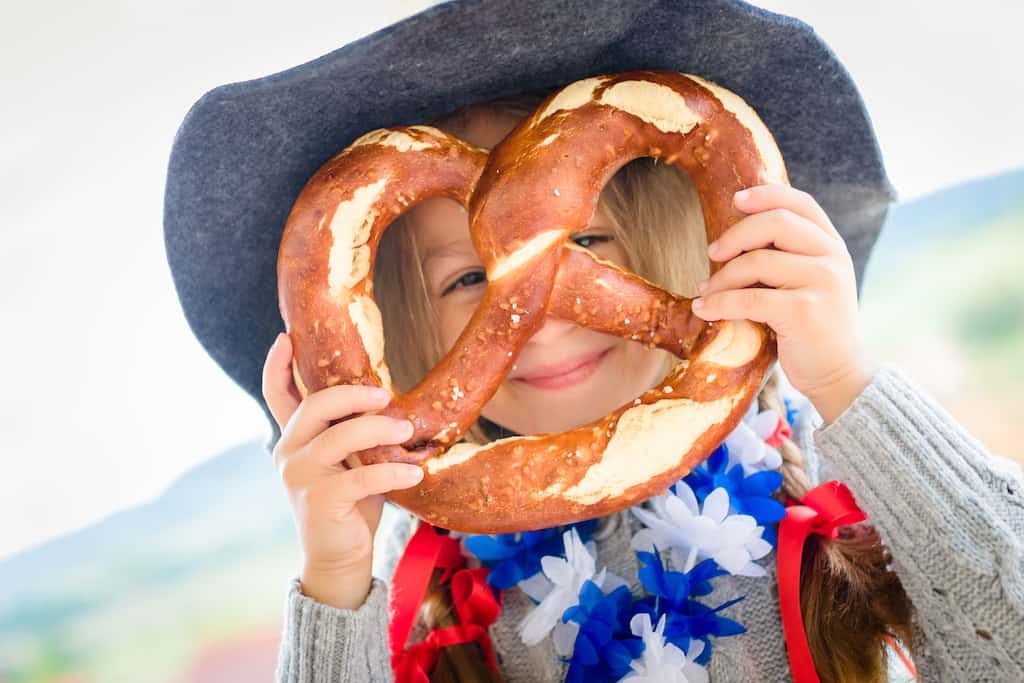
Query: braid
pixel 795 481
pixel 463 663
pixel 850 600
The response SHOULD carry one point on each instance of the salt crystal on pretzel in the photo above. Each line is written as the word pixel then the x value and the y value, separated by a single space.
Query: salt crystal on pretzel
pixel 525 198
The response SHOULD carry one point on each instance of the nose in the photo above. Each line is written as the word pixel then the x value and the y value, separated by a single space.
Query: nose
pixel 551 331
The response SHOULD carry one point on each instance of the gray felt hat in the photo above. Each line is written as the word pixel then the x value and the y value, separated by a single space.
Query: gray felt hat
pixel 245 150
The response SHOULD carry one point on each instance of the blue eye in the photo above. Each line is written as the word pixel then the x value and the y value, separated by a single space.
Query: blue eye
pixel 476 277
pixel 473 277
pixel 594 239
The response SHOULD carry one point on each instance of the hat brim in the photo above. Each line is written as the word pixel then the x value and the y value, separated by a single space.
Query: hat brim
pixel 245 150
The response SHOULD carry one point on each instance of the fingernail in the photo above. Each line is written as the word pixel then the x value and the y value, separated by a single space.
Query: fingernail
pixel 411 474
pixel 406 427
pixel 702 285
pixel 713 248
pixel 742 195
pixel 698 303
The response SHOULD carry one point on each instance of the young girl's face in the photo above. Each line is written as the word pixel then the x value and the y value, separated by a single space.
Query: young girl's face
pixel 566 375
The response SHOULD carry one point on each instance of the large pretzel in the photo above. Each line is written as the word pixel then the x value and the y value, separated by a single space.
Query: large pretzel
pixel 534 189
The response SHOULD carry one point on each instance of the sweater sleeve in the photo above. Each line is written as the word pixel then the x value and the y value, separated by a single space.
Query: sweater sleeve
pixel 951 514
pixel 325 644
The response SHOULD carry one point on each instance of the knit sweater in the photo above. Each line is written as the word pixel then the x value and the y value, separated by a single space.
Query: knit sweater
pixel 951 514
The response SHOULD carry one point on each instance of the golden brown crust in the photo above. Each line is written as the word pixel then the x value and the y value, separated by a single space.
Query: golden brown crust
pixel 534 189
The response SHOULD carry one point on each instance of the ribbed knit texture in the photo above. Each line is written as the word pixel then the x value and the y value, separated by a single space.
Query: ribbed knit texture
pixel 324 643
pixel 952 518
pixel 951 515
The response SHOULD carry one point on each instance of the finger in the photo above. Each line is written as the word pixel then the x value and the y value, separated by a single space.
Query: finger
pixel 366 431
pixel 278 382
pixel 760 304
pixel 778 196
pixel 358 483
pixel 780 228
pixel 363 487
pixel 320 408
pixel 301 474
pixel 769 267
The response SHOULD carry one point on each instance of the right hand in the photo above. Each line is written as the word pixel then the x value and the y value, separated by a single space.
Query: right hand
pixel 336 507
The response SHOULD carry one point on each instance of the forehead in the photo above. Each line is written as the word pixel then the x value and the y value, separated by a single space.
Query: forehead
pixel 440 226
pixel 484 126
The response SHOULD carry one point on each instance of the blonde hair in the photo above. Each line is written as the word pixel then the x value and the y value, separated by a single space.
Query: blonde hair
pixel 641 214
pixel 851 601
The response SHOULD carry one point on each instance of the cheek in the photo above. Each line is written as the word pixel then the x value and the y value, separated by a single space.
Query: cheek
pixel 452 315
pixel 643 366
pixel 613 251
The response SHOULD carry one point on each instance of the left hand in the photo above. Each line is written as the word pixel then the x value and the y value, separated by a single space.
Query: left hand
pixel 786 241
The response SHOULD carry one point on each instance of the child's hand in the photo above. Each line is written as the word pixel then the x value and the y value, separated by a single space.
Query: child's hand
pixel 813 306
pixel 336 508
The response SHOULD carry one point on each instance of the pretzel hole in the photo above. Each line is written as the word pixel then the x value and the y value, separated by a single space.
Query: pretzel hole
pixel 615 203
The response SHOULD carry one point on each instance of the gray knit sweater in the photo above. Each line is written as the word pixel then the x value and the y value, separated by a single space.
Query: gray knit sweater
pixel 951 514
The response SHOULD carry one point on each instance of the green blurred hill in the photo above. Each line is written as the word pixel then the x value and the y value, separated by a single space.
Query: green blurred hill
pixel 943 298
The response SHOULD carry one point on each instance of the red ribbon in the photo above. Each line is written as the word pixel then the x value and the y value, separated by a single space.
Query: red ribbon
pixel 781 430
pixel 474 600
pixel 821 511
pixel 426 550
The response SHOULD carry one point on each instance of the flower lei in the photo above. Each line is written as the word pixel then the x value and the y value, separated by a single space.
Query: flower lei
pixel 714 521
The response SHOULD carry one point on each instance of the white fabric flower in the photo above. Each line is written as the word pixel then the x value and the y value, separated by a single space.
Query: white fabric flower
pixel 566 577
pixel 539 585
pixel 746 443
pixel 677 524
pixel 663 662
pixel 748 449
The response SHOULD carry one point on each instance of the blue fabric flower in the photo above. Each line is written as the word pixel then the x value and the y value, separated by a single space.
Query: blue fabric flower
pixel 693 621
pixel 675 588
pixel 515 557
pixel 748 495
pixel 791 412
pixel 604 645
pixel 671 594
pixel 705 620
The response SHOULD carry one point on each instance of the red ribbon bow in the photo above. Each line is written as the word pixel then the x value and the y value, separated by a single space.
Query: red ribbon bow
pixel 824 509
pixel 821 511
pixel 475 605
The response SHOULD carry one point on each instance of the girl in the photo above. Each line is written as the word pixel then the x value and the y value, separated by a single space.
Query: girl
pixel 951 520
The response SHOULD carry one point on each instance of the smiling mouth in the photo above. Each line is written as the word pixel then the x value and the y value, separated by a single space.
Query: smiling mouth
pixel 578 371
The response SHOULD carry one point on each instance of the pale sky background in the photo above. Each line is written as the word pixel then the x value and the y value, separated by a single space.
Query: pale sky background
pixel 108 396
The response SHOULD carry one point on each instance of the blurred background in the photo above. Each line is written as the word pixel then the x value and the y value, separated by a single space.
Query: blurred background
pixel 146 537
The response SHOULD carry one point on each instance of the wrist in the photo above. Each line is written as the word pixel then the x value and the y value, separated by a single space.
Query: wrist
pixel 344 588
pixel 833 399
